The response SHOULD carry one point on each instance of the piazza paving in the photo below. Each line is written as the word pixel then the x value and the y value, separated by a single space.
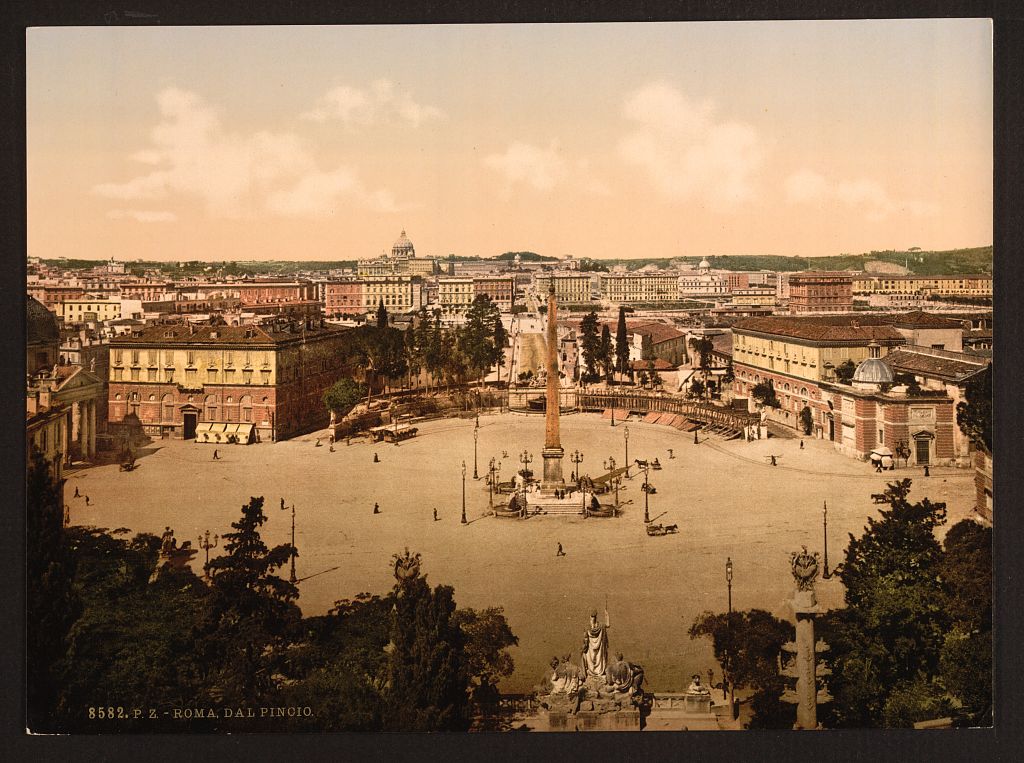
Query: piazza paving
pixel 725 496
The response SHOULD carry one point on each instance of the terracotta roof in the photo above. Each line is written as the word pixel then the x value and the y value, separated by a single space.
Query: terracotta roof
pixel 818 329
pixel 941 364
pixel 722 343
pixel 178 333
pixel 660 364
pixel 658 332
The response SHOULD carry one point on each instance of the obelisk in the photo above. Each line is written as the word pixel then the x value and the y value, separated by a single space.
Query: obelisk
pixel 552 452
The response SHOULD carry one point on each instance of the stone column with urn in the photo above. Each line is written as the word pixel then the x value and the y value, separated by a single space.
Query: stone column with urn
pixel 799 657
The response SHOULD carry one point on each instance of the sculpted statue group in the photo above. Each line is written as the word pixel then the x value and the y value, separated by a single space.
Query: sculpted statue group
pixel 594 682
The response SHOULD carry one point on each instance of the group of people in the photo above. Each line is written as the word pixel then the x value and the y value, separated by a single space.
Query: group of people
pixel 79 495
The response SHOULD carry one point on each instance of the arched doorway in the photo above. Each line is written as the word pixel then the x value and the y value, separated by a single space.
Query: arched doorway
pixel 189 418
pixel 923 448
pixel 831 427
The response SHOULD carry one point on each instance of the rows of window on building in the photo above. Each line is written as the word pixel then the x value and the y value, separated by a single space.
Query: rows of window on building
pixel 217 357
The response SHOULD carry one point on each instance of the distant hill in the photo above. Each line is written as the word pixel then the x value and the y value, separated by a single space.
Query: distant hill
pixel 525 257
pixel 977 260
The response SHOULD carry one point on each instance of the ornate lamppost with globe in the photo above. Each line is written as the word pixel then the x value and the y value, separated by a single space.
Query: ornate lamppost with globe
pixel 493 468
pixel 476 438
pixel 609 467
pixel 206 545
pixel 463 492
pixel 577 458
pixel 647 493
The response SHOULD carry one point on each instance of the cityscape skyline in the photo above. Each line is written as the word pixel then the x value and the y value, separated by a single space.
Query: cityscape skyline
pixel 605 141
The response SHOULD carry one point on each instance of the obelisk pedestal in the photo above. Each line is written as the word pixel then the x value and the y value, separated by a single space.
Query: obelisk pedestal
pixel 552 452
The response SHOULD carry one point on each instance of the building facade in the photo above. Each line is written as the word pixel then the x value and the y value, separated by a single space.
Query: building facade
pixel 633 288
pixel 572 288
pixel 176 378
pixel 455 294
pixel 820 292
pixel 500 289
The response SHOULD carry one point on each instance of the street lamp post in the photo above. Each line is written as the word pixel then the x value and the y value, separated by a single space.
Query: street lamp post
pixel 463 492
pixel 292 577
pixel 476 438
pixel 577 458
pixel 609 466
pixel 824 518
pixel 206 545
pixel 728 651
pixel 490 483
pixel 526 459
pixel 625 435
pixel 647 493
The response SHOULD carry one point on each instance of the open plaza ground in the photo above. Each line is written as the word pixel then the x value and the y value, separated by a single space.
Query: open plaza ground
pixel 726 498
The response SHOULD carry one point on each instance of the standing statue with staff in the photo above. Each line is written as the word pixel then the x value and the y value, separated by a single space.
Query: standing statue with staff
pixel 595 645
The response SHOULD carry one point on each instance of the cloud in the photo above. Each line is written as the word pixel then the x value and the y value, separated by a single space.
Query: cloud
pixel 235 175
pixel 142 216
pixel 687 151
pixel 381 102
pixel 869 196
pixel 317 195
pixel 540 168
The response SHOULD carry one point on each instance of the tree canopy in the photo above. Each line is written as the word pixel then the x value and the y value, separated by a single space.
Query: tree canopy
pixel 974 413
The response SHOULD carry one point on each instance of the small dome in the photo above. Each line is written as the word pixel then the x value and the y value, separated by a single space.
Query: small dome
pixel 704 264
pixel 874 371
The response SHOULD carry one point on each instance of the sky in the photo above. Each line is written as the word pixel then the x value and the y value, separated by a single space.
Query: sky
pixel 804 138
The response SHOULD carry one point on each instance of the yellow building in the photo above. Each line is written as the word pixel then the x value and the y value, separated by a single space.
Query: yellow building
pixel 569 287
pixel 455 294
pixel 627 288
pixel 83 310
pixel 754 296
pixel 937 286
pixel 174 379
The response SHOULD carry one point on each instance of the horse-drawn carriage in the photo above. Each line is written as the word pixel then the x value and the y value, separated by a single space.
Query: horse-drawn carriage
pixel 657 530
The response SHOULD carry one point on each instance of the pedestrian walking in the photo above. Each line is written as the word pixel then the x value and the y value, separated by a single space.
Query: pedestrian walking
pixel 87 501
pixel 774 463
pixel 376 460
pixel 801 445
pixel 317 445
pixel 331 448
pixel 435 515
pixel 926 472
pixel 671 455
pixel 216 457
pixel 560 552
pixel 376 508
pixel 77 494
pixel 282 504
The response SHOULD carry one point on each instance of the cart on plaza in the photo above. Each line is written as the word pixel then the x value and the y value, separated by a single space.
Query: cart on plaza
pixel 662 530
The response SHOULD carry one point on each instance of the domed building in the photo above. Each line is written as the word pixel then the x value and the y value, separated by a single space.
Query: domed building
pixel 403 247
pixel 704 266
pixel 873 372
pixel 42 335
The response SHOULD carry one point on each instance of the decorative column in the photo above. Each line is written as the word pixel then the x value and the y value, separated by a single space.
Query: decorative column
pixel 552 452
pixel 802 665
pixel 92 428
pixel 83 430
